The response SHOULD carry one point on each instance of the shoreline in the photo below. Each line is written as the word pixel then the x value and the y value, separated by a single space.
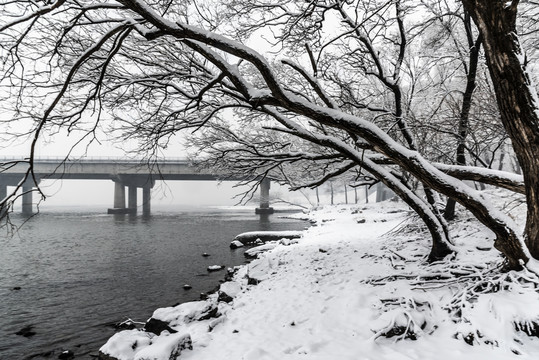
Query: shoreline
pixel 204 309
pixel 355 286
pixel 153 260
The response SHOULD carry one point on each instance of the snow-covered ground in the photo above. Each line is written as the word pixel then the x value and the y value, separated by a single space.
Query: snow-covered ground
pixel 356 286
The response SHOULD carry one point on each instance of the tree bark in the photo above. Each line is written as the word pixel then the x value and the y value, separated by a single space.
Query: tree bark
pixel 475 47
pixel 515 95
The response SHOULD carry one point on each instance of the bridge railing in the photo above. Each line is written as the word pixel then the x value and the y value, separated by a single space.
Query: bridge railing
pixel 97 159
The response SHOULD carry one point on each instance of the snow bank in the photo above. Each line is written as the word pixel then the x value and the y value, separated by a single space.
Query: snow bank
pixel 184 313
pixel 264 236
pixel 125 344
pixel 356 286
pixel 165 347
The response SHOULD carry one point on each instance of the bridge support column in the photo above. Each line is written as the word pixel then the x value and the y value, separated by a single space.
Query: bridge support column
pixel 119 199
pixel 3 194
pixel 3 191
pixel 119 195
pixel 132 182
pixel 146 199
pixel 132 198
pixel 27 199
pixel 264 198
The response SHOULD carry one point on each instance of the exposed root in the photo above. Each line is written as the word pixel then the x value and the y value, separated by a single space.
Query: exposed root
pixel 481 307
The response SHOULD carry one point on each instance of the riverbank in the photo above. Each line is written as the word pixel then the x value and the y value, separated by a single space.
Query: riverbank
pixel 70 274
pixel 356 286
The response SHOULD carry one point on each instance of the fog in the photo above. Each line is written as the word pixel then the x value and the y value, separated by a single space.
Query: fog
pixel 100 193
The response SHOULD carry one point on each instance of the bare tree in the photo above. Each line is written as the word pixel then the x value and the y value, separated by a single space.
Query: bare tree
pixel 162 67
pixel 515 94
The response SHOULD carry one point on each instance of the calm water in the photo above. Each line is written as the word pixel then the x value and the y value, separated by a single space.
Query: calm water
pixel 81 271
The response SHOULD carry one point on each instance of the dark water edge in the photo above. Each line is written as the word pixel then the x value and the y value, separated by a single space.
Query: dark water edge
pixel 79 272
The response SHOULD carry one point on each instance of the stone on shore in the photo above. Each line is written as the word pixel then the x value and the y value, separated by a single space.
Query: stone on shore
pixel 265 236
pixel 253 253
pixel 140 345
pixel 185 313
pixel 26 331
pixel 236 244
pixel 157 326
pixel 215 267
pixel 228 291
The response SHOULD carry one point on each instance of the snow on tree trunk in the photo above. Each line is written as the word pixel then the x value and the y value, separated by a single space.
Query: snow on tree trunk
pixel 515 95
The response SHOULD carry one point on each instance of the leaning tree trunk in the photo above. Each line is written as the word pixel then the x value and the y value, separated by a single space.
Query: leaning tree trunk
pixel 515 95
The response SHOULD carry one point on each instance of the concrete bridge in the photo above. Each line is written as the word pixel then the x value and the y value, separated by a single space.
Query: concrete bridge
pixel 130 174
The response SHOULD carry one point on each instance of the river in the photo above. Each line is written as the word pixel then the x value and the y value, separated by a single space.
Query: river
pixel 71 273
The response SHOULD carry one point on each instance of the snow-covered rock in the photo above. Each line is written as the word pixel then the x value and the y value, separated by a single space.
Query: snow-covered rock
pixel 229 290
pixel 165 347
pixel 253 252
pixel 185 313
pixel 215 267
pixel 140 345
pixel 265 236
pixel 124 345
pixel 236 244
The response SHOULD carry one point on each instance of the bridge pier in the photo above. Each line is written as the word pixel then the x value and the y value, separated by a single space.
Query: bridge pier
pixel 132 197
pixel 27 199
pixel 264 198
pixel 3 194
pixel 3 191
pixel 146 199
pixel 119 195
pixel 119 200
pixel 133 182
pixel 26 191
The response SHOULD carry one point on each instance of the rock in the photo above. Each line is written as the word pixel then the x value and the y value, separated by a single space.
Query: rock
pixel 156 327
pixel 187 287
pixel 252 280
pixel 361 221
pixel 134 344
pixel 26 331
pixel 166 346
pixel 103 356
pixel 215 267
pixel 228 291
pixel 125 344
pixel 236 244
pixel 265 236
pixel 205 254
pixel 16 288
pixel 67 354
pixel 230 272
pixel 186 313
pixel 224 297
pixel 253 253
pixel 212 313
